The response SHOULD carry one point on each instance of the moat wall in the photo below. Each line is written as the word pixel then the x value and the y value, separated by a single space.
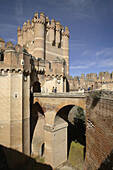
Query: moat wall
pixel 99 131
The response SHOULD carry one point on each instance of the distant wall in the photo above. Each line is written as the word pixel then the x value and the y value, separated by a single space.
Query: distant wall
pixel 104 80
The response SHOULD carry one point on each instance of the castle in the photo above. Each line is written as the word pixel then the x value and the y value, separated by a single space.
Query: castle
pixel 39 62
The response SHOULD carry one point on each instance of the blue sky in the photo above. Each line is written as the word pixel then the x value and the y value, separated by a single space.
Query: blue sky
pixel 90 23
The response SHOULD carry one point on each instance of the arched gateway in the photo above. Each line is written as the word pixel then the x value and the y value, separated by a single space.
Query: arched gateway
pixel 55 128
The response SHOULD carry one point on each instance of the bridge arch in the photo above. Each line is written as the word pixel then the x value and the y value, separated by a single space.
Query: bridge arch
pixel 65 103
pixel 76 125
pixel 81 104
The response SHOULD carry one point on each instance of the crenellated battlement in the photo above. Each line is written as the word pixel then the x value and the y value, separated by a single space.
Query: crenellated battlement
pixel 14 59
pixel 103 80
pixel 66 32
pixel 44 20
pixel 101 77
pixel 2 44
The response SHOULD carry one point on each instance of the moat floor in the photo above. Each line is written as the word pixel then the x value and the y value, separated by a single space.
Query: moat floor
pixel 68 166
pixel 75 159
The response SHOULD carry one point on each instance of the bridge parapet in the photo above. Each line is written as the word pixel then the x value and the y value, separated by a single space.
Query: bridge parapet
pixel 60 95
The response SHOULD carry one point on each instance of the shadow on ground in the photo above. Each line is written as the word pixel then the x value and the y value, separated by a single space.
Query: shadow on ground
pixel 11 159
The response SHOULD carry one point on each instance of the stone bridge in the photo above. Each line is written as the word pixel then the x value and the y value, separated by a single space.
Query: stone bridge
pixel 54 135
pixel 51 103
pixel 49 131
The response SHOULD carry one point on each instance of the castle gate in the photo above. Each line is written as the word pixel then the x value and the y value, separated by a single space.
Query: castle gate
pixel 55 130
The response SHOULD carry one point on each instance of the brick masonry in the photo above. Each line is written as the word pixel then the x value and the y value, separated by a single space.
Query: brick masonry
pixel 99 131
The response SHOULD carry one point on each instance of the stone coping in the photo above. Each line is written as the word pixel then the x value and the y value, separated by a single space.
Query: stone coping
pixel 105 94
pixel 60 95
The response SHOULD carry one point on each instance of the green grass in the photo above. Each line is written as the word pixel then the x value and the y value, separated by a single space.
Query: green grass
pixel 76 155
pixel 39 159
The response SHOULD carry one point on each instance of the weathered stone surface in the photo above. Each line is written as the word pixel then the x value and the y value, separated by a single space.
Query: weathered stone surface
pixel 99 130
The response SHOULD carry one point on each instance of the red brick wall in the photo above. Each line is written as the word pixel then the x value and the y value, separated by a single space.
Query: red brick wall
pixel 99 132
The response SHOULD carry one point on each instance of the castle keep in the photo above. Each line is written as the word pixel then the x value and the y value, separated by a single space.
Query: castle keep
pixel 48 41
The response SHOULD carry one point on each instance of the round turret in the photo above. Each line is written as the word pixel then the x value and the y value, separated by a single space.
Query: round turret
pixel 67 31
pixel 82 76
pixel 9 44
pixel 28 22
pixel 2 43
pixel 101 75
pixel 58 38
pixel 47 20
pixel 39 36
pixel 65 44
pixel 24 26
pixel 1 40
pixel 19 28
pixel 53 22
pixel 32 22
pixel 36 14
pixel 18 47
pixel 58 27
pixel 19 31
pixel 42 17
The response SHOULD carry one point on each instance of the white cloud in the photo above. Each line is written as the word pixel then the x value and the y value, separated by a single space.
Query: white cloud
pixel 7 26
pixel 85 52
pixel 77 44
pixel 105 52
pixel 83 65
pixel 77 2
pixel 106 63
pixel 11 39
pixel 19 11
pixel 7 29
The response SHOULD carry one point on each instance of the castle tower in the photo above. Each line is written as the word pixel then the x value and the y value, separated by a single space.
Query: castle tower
pixel 52 32
pixel 39 35
pixel 29 31
pixel 19 36
pixel 58 33
pixel 25 37
pixel 65 38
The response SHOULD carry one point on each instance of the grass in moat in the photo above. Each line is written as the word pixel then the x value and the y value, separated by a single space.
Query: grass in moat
pixel 75 159
pixel 76 155
pixel 39 159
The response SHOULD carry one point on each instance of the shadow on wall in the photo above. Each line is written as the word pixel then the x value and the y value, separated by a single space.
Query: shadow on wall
pixel 36 87
pixel 107 164
pixel 11 159
pixel 76 133
pixel 67 86
pixel 35 111
pixel 95 98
